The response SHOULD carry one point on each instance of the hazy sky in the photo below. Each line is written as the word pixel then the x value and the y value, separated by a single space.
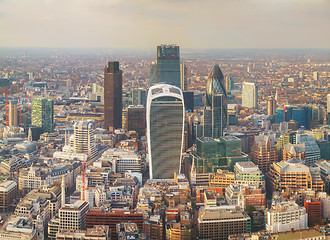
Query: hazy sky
pixel 146 23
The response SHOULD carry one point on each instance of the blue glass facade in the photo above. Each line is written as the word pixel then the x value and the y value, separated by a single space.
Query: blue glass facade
pixel 301 114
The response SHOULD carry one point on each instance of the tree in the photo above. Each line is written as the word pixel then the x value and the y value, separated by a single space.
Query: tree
pixel 250 208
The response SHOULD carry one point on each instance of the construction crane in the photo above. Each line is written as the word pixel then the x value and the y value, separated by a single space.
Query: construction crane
pixel 83 179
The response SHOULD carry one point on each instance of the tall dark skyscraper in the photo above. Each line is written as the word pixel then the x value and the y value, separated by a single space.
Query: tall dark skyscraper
pixel 215 111
pixel 112 96
pixel 168 65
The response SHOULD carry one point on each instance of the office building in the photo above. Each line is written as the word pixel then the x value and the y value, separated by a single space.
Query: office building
pixel 314 211
pixel 84 138
pixel 292 174
pixel 153 228
pixel 43 114
pixel 215 105
pixel 263 152
pixel 98 232
pixel 73 216
pixel 293 151
pixel 111 218
pixel 229 84
pixel 248 174
pixel 8 192
pixel 153 74
pixel 165 130
pixel 222 178
pixel 139 97
pixel 129 230
pixel 271 107
pixel 112 96
pixel 183 77
pixel 122 160
pixel 188 98
pixel 312 150
pixel 13 114
pixel 213 154
pixel 285 216
pixel 136 119
pixel 177 230
pixel 168 65
pixel 18 227
pixel 232 114
pixel 249 95
pixel 217 223
pixel 301 114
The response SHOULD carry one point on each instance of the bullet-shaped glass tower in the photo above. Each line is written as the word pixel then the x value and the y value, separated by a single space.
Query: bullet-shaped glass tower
pixel 165 129
pixel 215 111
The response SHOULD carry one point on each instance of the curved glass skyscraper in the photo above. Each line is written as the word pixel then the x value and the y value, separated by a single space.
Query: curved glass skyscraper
pixel 165 129
pixel 215 102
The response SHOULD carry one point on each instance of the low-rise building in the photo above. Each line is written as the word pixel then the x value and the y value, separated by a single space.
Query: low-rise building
pixel 284 216
pixel 98 232
pixel 219 222
pixel 247 173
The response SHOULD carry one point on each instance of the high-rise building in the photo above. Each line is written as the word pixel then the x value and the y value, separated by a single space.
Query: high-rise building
pixel 153 74
pixel 139 97
pixel 229 84
pixel 271 106
pixel 13 119
pixel 249 95
pixel 312 150
pixel 165 130
pixel 112 96
pixel 168 65
pixel 84 138
pixel 328 109
pixel 215 110
pixel 183 77
pixel 315 76
pixel 136 119
pixel 263 152
pixel 301 114
pixel 43 113
pixel 73 216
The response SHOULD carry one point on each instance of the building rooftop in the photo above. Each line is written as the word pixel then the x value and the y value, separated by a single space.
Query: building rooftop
pixel 293 165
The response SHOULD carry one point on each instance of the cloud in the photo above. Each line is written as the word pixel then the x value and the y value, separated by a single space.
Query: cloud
pixel 145 23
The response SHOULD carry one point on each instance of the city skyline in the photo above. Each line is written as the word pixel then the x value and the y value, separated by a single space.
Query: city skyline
pixel 145 23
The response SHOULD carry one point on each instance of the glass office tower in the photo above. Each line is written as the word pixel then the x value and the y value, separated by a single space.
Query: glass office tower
pixel 168 65
pixel 42 114
pixel 215 111
pixel 165 130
